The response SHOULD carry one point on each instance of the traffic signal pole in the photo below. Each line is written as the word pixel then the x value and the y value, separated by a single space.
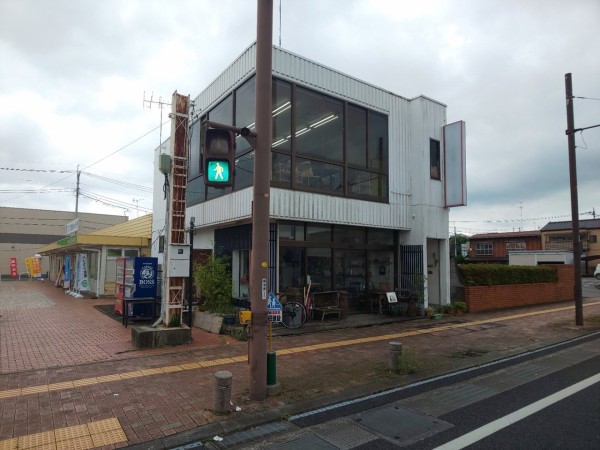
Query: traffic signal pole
pixel 259 259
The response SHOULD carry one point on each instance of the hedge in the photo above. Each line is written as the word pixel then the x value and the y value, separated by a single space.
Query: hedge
pixel 495 274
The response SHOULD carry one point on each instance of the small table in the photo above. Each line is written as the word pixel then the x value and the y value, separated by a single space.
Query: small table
pixel 139 300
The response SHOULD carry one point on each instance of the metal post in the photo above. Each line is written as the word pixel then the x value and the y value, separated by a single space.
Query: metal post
pixel 259 260
pixel 191 277
pixel 574 202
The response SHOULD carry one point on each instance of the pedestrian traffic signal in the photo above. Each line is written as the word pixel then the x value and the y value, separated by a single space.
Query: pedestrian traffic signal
pixel 218 157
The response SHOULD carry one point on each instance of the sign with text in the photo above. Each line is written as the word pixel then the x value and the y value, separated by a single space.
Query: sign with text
pixel 14 273
pixel 273 308
pixel 72 227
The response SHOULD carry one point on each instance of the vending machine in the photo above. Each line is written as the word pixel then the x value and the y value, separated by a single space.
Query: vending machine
pixel 136 278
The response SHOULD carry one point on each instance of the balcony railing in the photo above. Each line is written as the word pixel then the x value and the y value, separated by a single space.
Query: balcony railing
pixel 564 245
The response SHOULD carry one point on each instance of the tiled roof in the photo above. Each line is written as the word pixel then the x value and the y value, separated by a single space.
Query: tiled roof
pixel 508 235
pixel 587 224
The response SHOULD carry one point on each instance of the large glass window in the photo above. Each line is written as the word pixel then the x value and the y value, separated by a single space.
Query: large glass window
pixel 223 112
pixel 332 147
pixel 244 171
pixel 318 267
pixel 281 165
pixel 380 236
pixel 282 115
pixel 318 233
pixel 291 232
pixel 357 136
pixel 244 113
pixel 319 126
pixel 291 270
pixel 381 270
pixel 194 151
pixel 355 259
pixel 319 175
pixel 378 141
pixel 367 184
pixel 349 235
pixel 350 271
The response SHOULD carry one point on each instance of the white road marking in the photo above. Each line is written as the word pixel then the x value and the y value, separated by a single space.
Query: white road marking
pixel 503 422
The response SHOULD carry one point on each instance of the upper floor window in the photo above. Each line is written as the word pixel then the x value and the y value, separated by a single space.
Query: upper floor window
pixel 319 144
pixel 515 246
pixel 434 159
pixel 484 249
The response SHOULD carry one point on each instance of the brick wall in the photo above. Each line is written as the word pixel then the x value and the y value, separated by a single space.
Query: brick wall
pixel 488 298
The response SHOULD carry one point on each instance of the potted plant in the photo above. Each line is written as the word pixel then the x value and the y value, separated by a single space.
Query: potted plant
pixel 416 301
pixel 448 309
pixel 429 311
pixel 459 308
pixel 213 283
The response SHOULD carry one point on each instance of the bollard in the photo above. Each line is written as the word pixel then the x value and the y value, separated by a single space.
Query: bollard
pixel 222 400
pixel 273 387
pixel 395 355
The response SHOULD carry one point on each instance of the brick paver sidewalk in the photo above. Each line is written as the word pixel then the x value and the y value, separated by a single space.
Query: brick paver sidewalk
pixel 70 377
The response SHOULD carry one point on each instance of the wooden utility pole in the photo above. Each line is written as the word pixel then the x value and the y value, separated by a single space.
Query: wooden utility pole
pixel 574 202
pixel 259 259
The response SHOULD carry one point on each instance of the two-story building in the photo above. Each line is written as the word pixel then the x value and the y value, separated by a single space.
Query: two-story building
pixel 495 247
pixel 559 236
pixel 361 182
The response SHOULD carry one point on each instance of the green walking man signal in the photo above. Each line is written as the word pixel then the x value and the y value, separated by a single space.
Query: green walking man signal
pixel 218 153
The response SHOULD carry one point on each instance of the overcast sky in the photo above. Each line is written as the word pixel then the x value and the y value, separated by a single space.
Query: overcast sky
pixel 74 74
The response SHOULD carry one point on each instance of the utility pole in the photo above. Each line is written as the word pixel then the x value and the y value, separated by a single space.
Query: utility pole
pixel 77 193
pixel 574 202
pixel 259 259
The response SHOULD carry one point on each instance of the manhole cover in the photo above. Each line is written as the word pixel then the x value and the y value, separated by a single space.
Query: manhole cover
pixel 401 424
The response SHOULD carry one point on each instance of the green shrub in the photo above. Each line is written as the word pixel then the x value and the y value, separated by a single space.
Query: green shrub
pixel 460 305
pixel 495 274
pixel 213 281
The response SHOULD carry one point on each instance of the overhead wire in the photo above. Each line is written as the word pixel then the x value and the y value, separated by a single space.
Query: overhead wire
pixel 70 172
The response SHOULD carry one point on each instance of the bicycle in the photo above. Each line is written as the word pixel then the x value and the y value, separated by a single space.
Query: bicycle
pixel 295 314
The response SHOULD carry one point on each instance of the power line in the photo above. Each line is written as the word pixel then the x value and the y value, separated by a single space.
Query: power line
pixel 120 182
pixel 127 145
pixel 111 201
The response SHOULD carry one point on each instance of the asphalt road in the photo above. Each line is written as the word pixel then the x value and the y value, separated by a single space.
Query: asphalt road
pixel 510 405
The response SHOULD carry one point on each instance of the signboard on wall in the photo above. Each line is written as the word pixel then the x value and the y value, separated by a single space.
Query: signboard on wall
pixel 455 175
pixel 72 227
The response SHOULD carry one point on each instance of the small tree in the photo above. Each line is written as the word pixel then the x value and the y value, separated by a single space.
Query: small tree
pixel 213 282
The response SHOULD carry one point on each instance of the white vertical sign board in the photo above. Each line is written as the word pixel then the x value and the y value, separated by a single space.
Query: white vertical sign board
pixel 455 175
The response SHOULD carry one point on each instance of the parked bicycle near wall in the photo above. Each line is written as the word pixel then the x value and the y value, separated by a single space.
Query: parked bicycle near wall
pixel 294 314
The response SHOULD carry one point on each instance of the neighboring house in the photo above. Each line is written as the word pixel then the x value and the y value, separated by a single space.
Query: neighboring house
pixel 495 247
pixel 24 231
pixel 101 248
pixel 361 182
pixel 559 236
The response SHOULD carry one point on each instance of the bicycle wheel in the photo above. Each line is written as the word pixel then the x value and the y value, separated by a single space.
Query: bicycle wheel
pixel 293 314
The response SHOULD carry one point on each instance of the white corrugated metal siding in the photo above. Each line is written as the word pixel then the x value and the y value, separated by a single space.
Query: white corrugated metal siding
pixel 411 123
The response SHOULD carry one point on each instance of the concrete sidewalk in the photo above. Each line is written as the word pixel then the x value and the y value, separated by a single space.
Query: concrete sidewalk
pixel 71 379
